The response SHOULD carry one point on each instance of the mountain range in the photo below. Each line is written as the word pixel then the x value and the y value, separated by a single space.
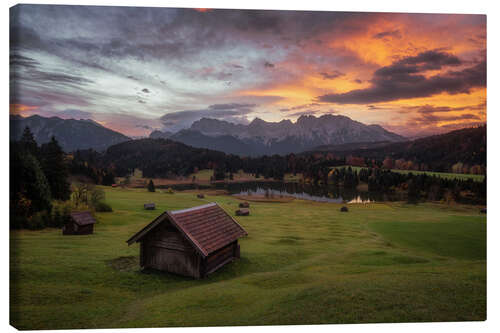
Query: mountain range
pixel 261 137
pixel 255 139
pixel 71 134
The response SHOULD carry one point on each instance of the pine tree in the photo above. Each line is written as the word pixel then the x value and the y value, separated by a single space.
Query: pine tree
pixel 28 142
pixel 55 169
pixel 30 191
pixel 151 186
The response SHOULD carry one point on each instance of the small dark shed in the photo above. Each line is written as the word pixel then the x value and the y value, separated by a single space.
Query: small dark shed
pixel 191 242
pixel 242 212
pixel 81 223
pixel 149 206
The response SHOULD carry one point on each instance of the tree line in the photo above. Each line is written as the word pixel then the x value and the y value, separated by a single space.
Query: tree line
pixel 40 190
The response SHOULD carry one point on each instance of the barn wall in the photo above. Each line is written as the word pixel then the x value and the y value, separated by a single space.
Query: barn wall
pixel 220 257
pixel 165 249
pixel 85 230
pixel 71 228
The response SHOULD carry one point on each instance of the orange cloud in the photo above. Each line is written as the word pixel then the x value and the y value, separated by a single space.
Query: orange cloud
pixel 202 10
pixel 21 109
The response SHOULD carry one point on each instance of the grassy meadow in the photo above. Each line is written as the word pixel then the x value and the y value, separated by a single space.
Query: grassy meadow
pixel 302 263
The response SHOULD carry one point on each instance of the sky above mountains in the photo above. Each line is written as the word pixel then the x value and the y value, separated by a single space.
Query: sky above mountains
pixel 139 69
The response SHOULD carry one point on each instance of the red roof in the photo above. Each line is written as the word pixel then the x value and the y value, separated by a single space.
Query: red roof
pixel 207 227
pixel 83 218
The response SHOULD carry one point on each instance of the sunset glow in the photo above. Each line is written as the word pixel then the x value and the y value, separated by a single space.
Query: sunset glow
pixel 414 74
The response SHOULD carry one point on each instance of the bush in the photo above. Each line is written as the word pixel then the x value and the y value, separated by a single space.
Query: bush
pixel 97 195
pixel 102 207
pixel 38 221
pixel 61 214
pixel 170 191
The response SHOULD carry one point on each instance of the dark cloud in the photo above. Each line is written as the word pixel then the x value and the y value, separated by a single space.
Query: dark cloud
pixel 404 79
pixel 74 114
pixel 268 65
pixel 26 68
pixel 232 106
pixel 390 33
pixel 46 77
pixel 145 90
pixel 331 76
pixel 304 113
pixel 300 107
pixel 232 112
pixel 118 32
pixel 144 127
pixel 22 61
pixel 429 119
pixel 431 109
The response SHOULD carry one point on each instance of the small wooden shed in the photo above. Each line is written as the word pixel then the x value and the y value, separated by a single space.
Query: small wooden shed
pixel 149 206
pixel 191 242
pixel 81 223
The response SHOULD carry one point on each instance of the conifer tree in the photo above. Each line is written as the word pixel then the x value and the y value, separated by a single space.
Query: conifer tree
pixel 28 142
pixel 55 169
pixel 151 186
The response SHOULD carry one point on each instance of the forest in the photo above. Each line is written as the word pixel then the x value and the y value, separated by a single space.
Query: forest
pixel 40 175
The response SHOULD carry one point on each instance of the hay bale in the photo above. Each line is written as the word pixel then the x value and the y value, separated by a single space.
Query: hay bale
pixel 243 212
pixel 344 209
pixel 244 204
pixel 200 196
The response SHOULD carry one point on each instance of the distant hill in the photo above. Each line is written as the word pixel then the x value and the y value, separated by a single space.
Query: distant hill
pixel 267 138
pixel 160 135
pixel 70 133
pixel 158 157
pixel 466 145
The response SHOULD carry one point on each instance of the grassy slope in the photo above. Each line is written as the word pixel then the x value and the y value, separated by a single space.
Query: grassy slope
pixel 302 262
pixel 448 175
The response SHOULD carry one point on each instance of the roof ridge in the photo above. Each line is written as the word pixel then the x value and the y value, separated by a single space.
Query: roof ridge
pixel 180 211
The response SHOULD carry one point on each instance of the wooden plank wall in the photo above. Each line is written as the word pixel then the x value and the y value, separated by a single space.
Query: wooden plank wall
pixel 166 249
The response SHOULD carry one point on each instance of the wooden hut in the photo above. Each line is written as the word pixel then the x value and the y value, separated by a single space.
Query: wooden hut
pixel 80 223
pixel 243 212
pixel 149 206
pixel 191 242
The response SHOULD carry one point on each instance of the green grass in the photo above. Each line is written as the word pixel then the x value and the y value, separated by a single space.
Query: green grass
pixel 302 263
pixel 203 175
pixel 446 175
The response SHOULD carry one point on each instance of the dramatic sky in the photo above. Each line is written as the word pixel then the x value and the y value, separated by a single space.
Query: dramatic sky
pixel 139 69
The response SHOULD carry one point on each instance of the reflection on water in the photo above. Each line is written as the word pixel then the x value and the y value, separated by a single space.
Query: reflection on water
pixel 304 192
pixel 299 191
pixel 358 199
pixel 272 193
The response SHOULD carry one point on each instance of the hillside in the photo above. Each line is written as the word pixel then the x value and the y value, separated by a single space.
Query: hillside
pixel 70 133
pixel 159 157
pixel 466 145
